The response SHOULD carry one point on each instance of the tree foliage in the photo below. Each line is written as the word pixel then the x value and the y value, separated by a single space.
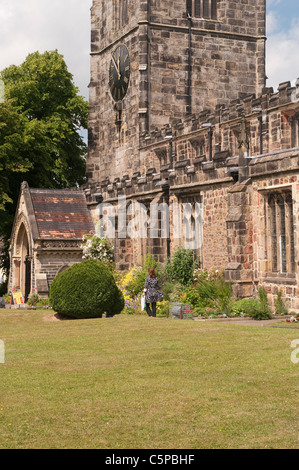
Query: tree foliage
pixel 40 124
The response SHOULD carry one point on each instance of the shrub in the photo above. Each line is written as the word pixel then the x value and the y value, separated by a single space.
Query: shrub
pixel 6 297
pixel 98 249
pixel 211 275
pixel 244 306
pixel 258 309
pixel 181 265
pixel 86 290
pixel 191 296
pixel 280 306
pixel 173 291
pixel 118 303
pixel 263 311
pixel 209 291
pixel 162 308
pixel 36 301
pixel 132 305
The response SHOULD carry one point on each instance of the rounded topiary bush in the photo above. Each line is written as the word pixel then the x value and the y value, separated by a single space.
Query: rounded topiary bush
pixel 86 290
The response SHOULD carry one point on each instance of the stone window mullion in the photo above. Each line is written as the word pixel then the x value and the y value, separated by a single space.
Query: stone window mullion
pixel 289 224
pixel 202 8
pixel 214 9
pixel 189 6
pixel 279 233
pixel 197 8
pixel 273 233
pixel 206 9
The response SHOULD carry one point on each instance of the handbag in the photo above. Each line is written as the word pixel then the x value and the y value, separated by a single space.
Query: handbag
pixel 142 300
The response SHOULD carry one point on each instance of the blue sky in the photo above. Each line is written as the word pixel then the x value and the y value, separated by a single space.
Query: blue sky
pixel 285 10
pixel 30 25
pixel 282 56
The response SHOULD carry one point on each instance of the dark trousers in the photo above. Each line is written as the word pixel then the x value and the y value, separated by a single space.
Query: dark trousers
pixel 151 312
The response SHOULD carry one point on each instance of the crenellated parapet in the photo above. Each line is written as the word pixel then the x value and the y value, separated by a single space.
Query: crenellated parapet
pixel 286 94
pixel 207 148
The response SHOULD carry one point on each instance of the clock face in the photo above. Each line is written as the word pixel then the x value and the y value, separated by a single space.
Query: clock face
pixel 119 72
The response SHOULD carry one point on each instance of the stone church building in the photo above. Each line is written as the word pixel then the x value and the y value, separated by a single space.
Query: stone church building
pixel 46 237
pixel 180 114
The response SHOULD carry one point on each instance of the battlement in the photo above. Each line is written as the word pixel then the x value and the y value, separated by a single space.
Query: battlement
pixel 222 115
pixel 206 148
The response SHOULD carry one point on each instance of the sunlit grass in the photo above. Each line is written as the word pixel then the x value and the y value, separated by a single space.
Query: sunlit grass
pixel 139 382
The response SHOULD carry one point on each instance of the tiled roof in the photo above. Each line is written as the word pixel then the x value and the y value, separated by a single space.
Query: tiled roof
pixel 61 213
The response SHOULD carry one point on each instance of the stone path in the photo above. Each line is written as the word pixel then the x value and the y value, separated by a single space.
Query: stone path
pixel 250 322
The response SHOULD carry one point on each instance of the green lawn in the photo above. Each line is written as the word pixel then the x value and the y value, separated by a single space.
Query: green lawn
pixel 138 382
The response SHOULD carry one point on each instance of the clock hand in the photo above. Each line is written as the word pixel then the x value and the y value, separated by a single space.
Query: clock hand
pixel 117 68
pixel 118 65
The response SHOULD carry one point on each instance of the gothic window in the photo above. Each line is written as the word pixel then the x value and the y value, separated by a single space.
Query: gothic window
pixel 295 132
pixel 280 233
pixel 162 155
pixel 189 7
pixel 214 9
pixel 202 8
pixel 234 141
pixel 199 148
pixel 124 12
pixel 121 13
pixel 192 226
pixel 197 5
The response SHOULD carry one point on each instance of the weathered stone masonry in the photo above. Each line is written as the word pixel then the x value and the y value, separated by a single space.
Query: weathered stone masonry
pixel 178 68
pixel 46 237
pixel 198 126
pixel 235 187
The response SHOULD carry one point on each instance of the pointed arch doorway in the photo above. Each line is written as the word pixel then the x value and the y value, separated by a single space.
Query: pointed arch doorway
pixel 23 262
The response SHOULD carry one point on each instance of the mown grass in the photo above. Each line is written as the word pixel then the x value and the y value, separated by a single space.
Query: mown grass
pixel 143 383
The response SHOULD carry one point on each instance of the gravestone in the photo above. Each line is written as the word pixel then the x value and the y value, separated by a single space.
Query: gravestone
pixel 180 310
pixel 176 310
pixel 2 302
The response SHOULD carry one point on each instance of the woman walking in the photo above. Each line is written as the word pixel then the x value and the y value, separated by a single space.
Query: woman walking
pixel 152 293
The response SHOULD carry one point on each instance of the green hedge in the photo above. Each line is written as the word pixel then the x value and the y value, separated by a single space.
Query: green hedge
pixel 86 290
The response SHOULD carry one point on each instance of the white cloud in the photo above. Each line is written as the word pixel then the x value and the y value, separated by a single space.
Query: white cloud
pixel 30 25
pixel 282 56
pixel 39 25
pixel 272 22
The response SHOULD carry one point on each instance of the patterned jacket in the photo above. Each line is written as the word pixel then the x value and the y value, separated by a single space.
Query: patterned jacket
pixel 151 288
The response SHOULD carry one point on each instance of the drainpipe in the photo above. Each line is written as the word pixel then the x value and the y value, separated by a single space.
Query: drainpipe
pixel 189 106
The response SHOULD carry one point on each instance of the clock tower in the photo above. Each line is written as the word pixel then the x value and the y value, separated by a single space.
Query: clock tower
pixel 156 61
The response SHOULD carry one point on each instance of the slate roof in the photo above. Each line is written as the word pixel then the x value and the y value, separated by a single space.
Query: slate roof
pixel 61 214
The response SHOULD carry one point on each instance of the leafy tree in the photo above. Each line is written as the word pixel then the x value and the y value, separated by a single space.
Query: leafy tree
pixel 40 122
pixel 12 139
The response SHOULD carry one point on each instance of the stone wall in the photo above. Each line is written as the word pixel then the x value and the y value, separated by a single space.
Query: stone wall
pixel 112 151
pixel 225 172
pixel 175 71
pixel 198 126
